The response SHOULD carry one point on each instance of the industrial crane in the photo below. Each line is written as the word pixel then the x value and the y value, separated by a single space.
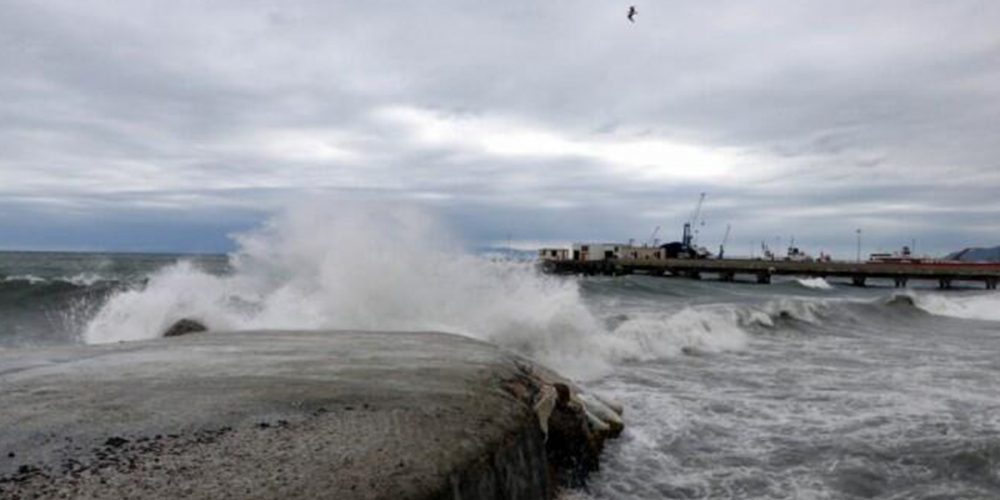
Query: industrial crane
pixel 722 246
pixel 688 238
pixel 652 237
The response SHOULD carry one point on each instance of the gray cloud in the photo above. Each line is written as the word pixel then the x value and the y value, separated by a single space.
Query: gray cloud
pixel 548 121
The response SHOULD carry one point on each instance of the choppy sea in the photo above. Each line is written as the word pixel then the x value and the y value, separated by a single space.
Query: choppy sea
pixel 803 389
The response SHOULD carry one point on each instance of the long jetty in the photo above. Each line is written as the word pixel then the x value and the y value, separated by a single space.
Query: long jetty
pixel 761 271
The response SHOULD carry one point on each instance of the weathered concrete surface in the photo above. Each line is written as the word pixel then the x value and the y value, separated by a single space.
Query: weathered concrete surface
pixel 272 415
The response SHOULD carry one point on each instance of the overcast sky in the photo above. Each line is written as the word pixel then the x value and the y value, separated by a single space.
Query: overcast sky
pixel 166 125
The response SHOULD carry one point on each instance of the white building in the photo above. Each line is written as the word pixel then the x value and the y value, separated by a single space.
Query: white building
pixel 553 254
pixel 599 251
pixel 644 253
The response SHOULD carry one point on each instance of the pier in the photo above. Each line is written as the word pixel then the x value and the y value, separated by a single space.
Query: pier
pixel 945 275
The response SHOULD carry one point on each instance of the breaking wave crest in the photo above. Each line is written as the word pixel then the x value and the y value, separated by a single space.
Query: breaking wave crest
pixel 79 280
pixel 365 268
pixel 815 283
pixel 709 328
pixel 397 269
pixel 652 336
pixel 979 306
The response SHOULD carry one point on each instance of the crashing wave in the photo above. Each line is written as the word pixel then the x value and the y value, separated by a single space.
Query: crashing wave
pixel 80 280
pixel 366 268
pixel 25 278
pixel 396 269
pixel 977 306
pixel 658 335
pixel 815 283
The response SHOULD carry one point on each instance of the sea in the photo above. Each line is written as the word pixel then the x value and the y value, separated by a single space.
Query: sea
pixel 802 389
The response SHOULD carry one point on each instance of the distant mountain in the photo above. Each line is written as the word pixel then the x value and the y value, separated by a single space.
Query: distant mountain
pixel 977 255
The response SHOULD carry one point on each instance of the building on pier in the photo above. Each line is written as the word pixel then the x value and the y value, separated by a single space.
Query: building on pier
pixel 553 254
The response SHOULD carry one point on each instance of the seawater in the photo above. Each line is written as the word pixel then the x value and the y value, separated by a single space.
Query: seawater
pixel 804 389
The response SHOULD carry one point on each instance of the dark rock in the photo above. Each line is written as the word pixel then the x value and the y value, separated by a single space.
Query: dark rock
pixel 116 442
pixel 572 448
pixel 575 424
pixel 184 327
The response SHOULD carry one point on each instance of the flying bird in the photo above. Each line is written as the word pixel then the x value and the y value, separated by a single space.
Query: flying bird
pixel 631 13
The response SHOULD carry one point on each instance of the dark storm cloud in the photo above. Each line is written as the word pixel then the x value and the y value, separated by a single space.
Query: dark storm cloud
pixel 551 121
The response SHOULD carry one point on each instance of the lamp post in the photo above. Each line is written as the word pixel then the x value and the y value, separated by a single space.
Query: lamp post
pixel 859 244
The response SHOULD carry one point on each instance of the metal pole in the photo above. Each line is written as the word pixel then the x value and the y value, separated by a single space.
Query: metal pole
pixel 859 245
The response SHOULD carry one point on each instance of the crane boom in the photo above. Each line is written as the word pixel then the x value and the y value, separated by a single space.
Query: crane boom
pixel 722 246
pixel 697 210
pixel 689 227
pixel 652 237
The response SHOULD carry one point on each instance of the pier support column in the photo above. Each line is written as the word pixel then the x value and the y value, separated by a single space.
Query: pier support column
pixel 695 275
pixel 728 277
pixel 764 278
pixel 944 283
pixel 858 281
pixel 991 283
pixel 901 282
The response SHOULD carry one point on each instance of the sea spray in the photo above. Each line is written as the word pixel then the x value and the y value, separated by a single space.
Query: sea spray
pixel 366 268
pixel 965 305
pixel 815 283
pixel 396 268
pixel 652 336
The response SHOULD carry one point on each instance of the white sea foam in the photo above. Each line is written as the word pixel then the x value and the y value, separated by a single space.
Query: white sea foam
pixel 706 328
pixel 365 267
pixel 83 279
pixel 30 278
pixel 801 309
pixel 657 335
pixel 977 306
pixel 396 268
pixel 815 283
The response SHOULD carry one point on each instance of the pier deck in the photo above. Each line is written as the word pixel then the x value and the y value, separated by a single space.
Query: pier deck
pixel 945 274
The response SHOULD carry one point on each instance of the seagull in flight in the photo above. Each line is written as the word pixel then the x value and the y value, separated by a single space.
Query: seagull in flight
pixel 631 13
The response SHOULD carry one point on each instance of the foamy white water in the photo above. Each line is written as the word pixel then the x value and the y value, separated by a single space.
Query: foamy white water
pixel 368 268
pixel 815 283
pixel 853 397
pixel 974 305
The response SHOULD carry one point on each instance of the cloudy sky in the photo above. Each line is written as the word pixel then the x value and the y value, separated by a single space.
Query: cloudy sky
pixel 167 125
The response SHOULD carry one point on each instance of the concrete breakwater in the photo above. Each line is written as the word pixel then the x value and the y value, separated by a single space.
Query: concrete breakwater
pixel 281 414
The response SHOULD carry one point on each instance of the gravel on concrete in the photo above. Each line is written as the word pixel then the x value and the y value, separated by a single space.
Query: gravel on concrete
pixel 271 415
